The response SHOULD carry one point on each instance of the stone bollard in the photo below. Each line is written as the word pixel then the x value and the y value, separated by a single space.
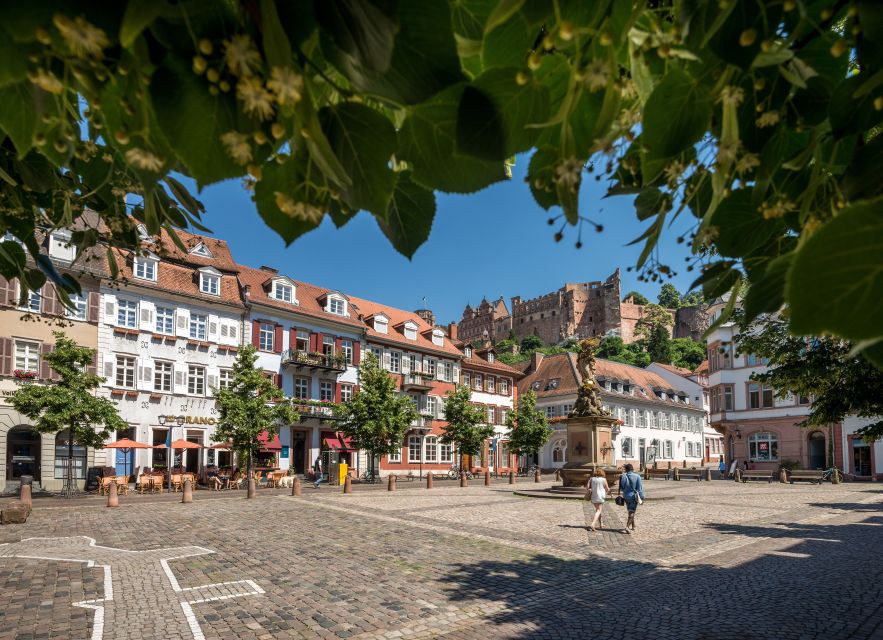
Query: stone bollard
pixel 708 474
pixel 347 485
pixel 391 484
pixel 783 476
pixel 536 475
pixel 511 477
pixel 463 482
pixel 676 474
pixel 737 475
pixel 187 493
pixel 295 487
pixel 487 478
pixel 429 481
pixel 557 475
pixel 25 496
pixel 112 498
pixel 685 464
pixel 252 488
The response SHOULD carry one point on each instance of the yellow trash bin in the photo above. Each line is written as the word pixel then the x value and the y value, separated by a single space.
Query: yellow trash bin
pixel 343 471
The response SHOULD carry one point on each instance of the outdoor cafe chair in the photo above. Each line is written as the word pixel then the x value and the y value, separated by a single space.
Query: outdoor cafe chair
pixel 104 486
pixel 143 483
pixel 122 484
pixel 177 482
pixel 235 482
pixel 156 483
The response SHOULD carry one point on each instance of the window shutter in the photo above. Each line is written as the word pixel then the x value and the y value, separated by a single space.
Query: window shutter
pixel 146 375
pixel 277 339
pixel 212 382
pixel 182 323
pixel 338 343
pixel 92 369
pixel 318 347
pixel 256 333
pixel 7 292
pixel 357 352
pixel 355 389
pixel 180 382
pixel 7 348
pixel 292 338
pixel 337 392
pixel 406 363
pixel 51 304
pixel 277 380
pixel 108 369
pixel 233 332
pixel 386 359
pixel 110 309
pixel 45 371
pixel 439 370
pixel 147 310
pixel 456 379
pixel 213 328
pixel 92 302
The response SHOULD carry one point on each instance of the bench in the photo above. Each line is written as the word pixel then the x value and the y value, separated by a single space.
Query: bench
pixel 688 473
pixel 810 475
pixel 665 474
pixel 757 475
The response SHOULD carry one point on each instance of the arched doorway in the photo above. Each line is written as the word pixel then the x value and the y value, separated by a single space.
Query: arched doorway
pixel 816 450
pixel 22 453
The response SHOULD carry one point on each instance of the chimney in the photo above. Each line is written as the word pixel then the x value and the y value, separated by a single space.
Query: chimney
pixel 452 330
pixel 535 359
pixel 269 269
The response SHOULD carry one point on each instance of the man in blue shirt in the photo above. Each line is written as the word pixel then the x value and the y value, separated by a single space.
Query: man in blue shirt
pixel 631 487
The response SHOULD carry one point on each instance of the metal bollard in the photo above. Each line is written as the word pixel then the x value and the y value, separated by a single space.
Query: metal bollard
pixel 463 482
pixel 187 494
pixel 112 498
pixel 429 481
pixel 295 487
pixel 511 477
pixel 347 485
pixel 487 478
pixel 536 475
pixel 391 486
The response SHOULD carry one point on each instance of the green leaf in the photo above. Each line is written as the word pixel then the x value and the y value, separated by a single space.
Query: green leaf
pixel 426 142
pixel 299 180
pixel 363 140
pixel 193 121
pixel 649 202
pixel 424 58
pixel 509 43
pixel 13 61
pixel 363 30
pixel 742 227
pixel 409 219
pixel 19 113
pixel 276 45
pixel 850 114
pixel 504 10
pixel 676 116
pixel 138 16
pixel 767 293
pixel 317 144
pixel 494 114
pixel 841 265
pixel 542 168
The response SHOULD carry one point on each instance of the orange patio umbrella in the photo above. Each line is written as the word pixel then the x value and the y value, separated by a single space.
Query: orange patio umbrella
pixel 126 445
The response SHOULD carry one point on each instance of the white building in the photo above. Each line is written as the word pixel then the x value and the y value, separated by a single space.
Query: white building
pixel 659 424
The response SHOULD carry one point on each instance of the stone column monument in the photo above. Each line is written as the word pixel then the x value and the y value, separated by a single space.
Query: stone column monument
pixel 589 428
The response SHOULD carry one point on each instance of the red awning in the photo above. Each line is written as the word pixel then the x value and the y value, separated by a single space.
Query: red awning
pixel 336 441
pixel 273 445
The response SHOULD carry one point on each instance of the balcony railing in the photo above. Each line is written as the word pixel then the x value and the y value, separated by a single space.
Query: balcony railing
pixel 417 381
pixel 313 360
pixel 319 411
pixel 421 422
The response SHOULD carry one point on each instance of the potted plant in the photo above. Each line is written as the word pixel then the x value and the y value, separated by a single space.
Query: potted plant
pixel 24 374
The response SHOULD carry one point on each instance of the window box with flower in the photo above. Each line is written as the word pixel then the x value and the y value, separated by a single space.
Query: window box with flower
pixel 24 374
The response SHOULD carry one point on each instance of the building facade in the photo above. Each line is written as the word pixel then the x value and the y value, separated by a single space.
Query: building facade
pixel 488 321
pixel 658 424
pixel 855 456
pixel 25 338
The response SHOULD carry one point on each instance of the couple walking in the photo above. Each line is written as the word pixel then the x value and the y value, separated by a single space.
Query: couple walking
pixel 631 492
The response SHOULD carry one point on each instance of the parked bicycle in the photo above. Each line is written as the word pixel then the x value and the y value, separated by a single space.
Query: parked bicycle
pixel 829 474
pixel 370 477
pixel 454 472
pixel 528 471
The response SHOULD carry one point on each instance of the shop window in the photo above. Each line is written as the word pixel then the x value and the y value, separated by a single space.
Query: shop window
pixel 763 447
pixel 62 453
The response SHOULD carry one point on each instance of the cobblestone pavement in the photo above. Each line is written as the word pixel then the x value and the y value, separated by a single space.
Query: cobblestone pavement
pixel 708 561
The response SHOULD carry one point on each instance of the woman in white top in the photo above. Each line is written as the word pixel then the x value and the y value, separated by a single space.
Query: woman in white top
pixel 597 492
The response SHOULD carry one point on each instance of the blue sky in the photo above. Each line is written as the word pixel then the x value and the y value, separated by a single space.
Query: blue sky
pixel 492 243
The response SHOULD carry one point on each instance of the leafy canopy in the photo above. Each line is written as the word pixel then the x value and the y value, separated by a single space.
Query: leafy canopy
pixel 756 120
pixel 528 428
pixel 377 417
pixel 251 405
pixel 638 298
pixel 669 297
pixel 70 403
pixel 466 426
pixel 825 369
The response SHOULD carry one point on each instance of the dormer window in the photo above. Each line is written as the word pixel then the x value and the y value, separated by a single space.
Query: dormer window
pixel 336 305
pixel 145 268
pixel 60 247
pixel 438 337
pixel 491 357
pixel 210 282
pixel 410 330
pixel 142 232
pixel 381 324
pixel 468 352
pixel 283 291
pixel 201 250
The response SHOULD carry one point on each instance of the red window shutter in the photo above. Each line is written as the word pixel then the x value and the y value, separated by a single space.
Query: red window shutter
pixel 337 392
pixel 45 371
pixel 313 342
pixel 94 300
pixel 338 342
pixel 277 339
pixel 318 348
pixel 277 379
pixel 51 302
pixel 357 352
pixel 256 333
pixel 7 347
pixel 292 338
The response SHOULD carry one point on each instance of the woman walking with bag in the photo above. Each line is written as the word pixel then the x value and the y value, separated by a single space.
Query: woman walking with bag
pixel 597 492
pixel 631 489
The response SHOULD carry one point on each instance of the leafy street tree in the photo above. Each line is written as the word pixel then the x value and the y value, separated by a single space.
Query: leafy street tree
pixel 659 344
pixel 757 120
pixel 378 417
pixel 824 369
pixel 466 429
pixel 639 298
pixel 691 299
pixel 250 406
pixel 669 296
pixel 687 353
pixel 654 315
pixel 531 343
pixel 528 427
pixel 70 404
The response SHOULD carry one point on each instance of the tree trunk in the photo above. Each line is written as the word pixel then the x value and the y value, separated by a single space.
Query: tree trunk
pixel 248 492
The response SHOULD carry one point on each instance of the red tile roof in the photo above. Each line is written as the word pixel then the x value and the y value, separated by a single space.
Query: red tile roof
pixel 702 368
pixel 681 371
pixel 396 317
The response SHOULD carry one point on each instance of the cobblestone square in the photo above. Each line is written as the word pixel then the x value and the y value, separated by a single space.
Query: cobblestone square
pixel 708 560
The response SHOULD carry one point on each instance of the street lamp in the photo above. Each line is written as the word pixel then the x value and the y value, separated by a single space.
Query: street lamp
pixel 422 431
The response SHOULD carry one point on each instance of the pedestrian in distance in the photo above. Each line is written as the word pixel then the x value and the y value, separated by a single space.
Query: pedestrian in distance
pixel 722 467
pixel 597 491
pixel 631 487
pixel 317 469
